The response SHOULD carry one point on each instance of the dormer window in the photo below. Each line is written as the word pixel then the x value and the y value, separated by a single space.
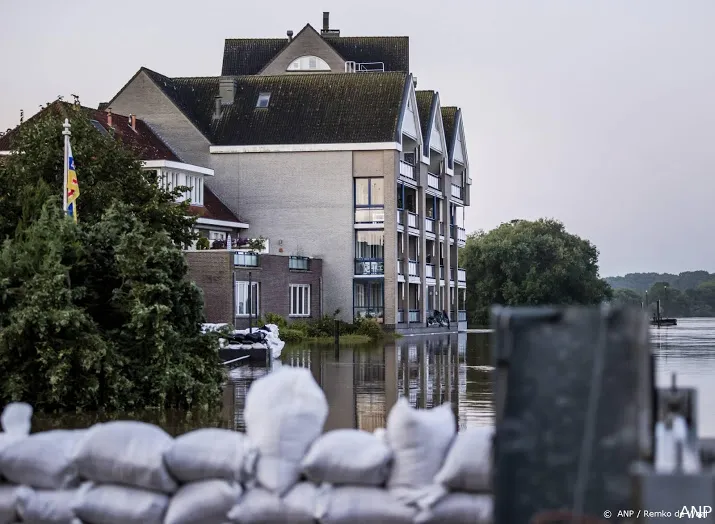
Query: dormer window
pixel 263 99
pixel 309 63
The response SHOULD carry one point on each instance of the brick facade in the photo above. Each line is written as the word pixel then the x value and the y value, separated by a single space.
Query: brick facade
pixel 214 272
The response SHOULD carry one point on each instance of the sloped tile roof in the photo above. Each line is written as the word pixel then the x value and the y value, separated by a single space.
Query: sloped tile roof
pixel 424 108
pixel 303 108
pixel 449 118
pixel 247 56
pixel 144 142
pixel 213 208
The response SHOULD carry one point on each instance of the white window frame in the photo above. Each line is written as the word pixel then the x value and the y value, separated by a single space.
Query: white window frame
pixel 241 295
pixel 303 296
pixel 308 63
pixel 264 100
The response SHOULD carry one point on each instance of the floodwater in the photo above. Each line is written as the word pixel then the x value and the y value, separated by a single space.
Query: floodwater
pixel 362 383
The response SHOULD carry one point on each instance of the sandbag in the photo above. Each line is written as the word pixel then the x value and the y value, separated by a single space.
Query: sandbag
pixel 47 506
pixel 8 503
pixel 205 454
pixel 260 506
pixel 459 508
pixel 16 419
pixel 126 452
pixel 348 456
pixel 468 466
pixel 419 440
pixel 284 413
pixel 114 504
pixel 204 502
pixel 43 460
pixel 364 505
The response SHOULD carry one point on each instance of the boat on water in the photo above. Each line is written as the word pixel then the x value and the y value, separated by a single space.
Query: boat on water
pixel 659 320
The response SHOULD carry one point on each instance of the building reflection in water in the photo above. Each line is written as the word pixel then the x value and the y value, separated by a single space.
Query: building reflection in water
pixel 362 384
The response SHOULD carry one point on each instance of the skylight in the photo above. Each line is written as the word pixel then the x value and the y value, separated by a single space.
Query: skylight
pixel 99 127
pixel 263 99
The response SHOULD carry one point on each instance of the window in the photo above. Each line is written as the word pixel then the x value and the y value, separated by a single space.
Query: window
pixel 242 302
pixel 308 63
pixel 369 244
pixel 263 99
pixel 299 300
pixel 217 235
pixel 369 200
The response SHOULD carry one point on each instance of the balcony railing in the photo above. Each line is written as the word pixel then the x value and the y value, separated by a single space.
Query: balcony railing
pixel 399 217
pixel 429 225
pixel 441 272
pixel 429 271
pixel 245 259
pixel 461 234
pixel 407 170
pixel 411 219
pixel 413 268
pixel 461 275
pixel 374 312
pixel 299 263
pixel 434 181
pixel 365 266
pixel 370 215
pixel 457 191
pixel 400 316
pixel 462 315
pixel 413 316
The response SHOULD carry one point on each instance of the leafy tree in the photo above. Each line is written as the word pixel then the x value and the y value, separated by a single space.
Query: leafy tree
pixel 530 263
pixel 99 314
pixel 627 297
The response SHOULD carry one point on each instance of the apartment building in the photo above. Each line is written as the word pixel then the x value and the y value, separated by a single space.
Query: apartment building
pixel 323 145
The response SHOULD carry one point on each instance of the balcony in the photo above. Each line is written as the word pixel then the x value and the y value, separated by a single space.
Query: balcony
pixel 413 268
pixel 461 275
pixel 434 181
pixel 245 259
pixel 413 316
pixel 370 215
pixel 441 229
pixel 430 271
pixel 412 220
pixel 457 191
pixel 299 263
pixel 399 218
pixel 441 272
pixel 400 265
pixel 365 266
pixel 429 225
pixel 461 235
pixel 400 316
pixel 376 312
pixel 461 315
pixel 407 170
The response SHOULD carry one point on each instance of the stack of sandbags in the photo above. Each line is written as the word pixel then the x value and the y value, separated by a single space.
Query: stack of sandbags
pixel 352 467
pixel 285 412
pixel 208 463
pixel 15 422
pixel 129 482
pixel 466 476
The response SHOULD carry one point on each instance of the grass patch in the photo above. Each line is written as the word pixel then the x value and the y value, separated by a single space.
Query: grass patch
pixel 344 339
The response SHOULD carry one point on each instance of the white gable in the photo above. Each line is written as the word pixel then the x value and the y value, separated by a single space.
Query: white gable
pixel 460 153
pixel 409 119
pixel 436 140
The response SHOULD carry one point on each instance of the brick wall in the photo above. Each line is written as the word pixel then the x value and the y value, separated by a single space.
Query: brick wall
pixel 274 279
pixel 213 271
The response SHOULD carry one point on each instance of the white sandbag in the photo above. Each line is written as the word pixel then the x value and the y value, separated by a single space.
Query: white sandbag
pixel 16 418
pixel 126 452
pixel 114 504
pixel 47 506
pixel 204 454
pixel 285 412
pixel 42 460
pixel 8 503
pixel 459 508
pixel 260 506
pixel 468 466
pixel 419 440
pixel 204 502
pixel 364 505
pixel 348 456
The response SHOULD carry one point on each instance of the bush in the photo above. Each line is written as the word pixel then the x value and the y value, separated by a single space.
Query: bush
pixel 300 325
pixel 292 335
pixel 369 327
pixel 274 318
pixel 203 243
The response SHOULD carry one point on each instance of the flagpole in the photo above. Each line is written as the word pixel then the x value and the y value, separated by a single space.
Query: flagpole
pixel 66 132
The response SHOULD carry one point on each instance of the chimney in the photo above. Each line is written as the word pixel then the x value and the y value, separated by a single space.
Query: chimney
pixel 326 21
pixel 227 89
pixel 109 116
pixel 217 107
pixel 133 122
pixel 290 34
pixel 414 81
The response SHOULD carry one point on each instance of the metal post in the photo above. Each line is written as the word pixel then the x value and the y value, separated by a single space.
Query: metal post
pixel 250 303
pixel 337 335
pixel 66 133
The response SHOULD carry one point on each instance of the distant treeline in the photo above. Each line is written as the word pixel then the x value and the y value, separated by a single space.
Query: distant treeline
pixel 689 294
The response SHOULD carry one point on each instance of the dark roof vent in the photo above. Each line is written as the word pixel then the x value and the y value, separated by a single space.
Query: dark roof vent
pixel 290 34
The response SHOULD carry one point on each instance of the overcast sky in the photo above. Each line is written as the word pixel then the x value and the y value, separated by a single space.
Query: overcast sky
pixel 599 113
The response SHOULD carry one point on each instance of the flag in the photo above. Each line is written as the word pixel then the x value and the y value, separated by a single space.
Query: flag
pixel 71 185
